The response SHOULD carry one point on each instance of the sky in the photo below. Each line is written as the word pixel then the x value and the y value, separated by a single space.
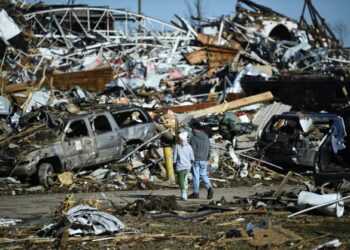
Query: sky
pixel 332 11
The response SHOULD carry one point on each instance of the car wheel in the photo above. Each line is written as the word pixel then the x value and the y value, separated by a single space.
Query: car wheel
pixel 46 174
pixel 128 150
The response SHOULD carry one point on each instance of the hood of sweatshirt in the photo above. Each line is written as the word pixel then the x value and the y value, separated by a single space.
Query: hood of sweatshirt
pixel 200 135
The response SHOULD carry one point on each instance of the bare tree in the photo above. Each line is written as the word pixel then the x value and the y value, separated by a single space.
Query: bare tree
pixel 341 31
pixel 195 11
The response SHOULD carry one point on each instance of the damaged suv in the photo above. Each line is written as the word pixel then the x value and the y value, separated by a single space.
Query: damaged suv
pixel 295 138
pixel 75 141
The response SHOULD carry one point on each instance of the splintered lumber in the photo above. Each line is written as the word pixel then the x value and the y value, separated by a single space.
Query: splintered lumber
pixel 278 191
pixel 186 108
pixel 218 109
pixel 213 55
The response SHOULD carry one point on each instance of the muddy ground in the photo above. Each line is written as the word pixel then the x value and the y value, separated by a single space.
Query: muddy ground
pixel 144 231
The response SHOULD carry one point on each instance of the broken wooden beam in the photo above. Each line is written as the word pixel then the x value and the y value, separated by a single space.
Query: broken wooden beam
pixel 218 109
pixel 278 191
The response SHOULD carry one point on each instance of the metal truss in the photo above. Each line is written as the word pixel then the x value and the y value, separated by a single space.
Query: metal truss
pixel 69 27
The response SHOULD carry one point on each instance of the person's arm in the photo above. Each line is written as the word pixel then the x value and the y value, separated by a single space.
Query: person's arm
pixel 192 144
pixel 191 154
pixel 209 148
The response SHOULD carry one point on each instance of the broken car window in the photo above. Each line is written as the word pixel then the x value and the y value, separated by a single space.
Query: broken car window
pixel 129 118
pixel 101 125
pixel 77 129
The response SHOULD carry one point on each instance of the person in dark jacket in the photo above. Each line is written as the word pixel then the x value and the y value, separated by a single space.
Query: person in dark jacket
pixel 201 148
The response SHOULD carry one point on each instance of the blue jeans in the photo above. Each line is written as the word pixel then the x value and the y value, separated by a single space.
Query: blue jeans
pixel 199 171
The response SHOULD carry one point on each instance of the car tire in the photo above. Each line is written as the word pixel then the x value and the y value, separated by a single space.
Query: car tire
pixel 128 149
pixel 46 174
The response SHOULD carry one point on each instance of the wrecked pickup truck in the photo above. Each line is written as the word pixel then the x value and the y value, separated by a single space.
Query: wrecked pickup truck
pixel 74 141
pixel 295 138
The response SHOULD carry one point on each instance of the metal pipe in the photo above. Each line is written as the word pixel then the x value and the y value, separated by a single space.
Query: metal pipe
pixel 318 206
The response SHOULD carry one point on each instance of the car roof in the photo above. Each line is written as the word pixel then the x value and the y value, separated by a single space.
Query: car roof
pixel 313 115
pixel 87 110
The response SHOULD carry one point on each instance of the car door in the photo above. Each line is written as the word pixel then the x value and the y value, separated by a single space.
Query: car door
pixel 107 140
pixel 78 144
pixel 134 125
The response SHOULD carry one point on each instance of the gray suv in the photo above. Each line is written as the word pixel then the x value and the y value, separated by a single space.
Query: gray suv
pixel 95 137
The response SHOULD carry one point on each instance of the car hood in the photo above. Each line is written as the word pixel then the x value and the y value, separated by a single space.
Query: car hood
pixel 28 140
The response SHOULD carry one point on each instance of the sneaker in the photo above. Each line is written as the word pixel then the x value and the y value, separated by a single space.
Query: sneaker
pixel 193 196
pixel 210 193
pixel 184 196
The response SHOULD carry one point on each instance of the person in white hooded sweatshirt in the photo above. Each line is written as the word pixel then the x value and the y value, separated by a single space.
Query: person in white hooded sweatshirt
pixel 183 160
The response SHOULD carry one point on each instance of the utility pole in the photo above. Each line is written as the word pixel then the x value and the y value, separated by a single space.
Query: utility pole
pixel 139 7
pixel 139 11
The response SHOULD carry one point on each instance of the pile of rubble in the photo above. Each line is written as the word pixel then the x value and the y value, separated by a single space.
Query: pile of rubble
pixel 92 99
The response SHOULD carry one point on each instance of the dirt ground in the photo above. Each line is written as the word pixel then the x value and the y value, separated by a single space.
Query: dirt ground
pixel 144 230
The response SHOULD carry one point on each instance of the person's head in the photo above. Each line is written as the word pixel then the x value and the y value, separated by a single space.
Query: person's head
pixel 183 137
pixel 195 125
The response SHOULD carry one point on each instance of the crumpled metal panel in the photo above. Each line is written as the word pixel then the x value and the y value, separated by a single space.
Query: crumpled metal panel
pixel 89 220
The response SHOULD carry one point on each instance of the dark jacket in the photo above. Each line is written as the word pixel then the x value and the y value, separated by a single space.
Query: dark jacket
pixel 201 146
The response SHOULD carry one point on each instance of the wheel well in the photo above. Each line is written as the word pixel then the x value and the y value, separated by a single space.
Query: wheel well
pixel 134 142
pixel 54 160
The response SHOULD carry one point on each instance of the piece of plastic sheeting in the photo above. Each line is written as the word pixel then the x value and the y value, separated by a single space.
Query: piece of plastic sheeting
pixel 306 124
pixel 5 106
pixel 38 99
pixel 8 28
pixel 248 70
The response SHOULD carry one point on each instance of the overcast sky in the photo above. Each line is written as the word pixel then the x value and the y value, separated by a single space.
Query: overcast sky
pixel 332 11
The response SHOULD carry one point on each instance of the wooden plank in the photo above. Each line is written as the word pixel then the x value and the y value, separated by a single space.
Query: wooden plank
pixel 186 108
pixel 207 39
pixel 197 57
pixel 213 55
pixel 16 87
pixel 278 191
pixel 93 80
pixel 218 109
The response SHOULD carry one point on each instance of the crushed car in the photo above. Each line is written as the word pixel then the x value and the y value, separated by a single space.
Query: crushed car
pixel 66 141
pixel 332 163
pixel 295 138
